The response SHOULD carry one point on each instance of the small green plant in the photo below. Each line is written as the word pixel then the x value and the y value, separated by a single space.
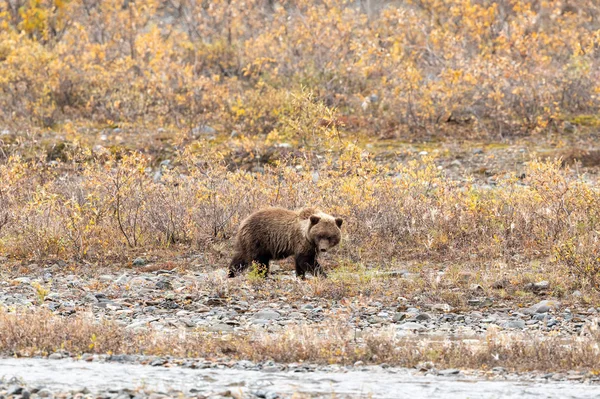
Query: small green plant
pixel 257 273
pixel 93 340
pixel 40 291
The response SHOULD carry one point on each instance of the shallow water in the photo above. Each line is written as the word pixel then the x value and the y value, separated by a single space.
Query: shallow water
pixel 66 375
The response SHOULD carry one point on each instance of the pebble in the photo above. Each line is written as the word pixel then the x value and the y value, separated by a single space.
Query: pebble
pixel 44 393
pixel 267 315
pixel 409 325
pixel 516 324
pixel 14 390
pixel 543 306
pixel 398 316
pixel 538 287
pixel 423 317
pixel 448 372
pixel 220 327
pixel 138 262
pixel 444 307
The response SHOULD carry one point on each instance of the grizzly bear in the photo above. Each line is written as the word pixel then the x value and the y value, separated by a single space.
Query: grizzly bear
pixel 276 233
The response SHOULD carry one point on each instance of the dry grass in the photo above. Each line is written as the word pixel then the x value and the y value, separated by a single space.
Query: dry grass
pixel 39 332
pixel 102 210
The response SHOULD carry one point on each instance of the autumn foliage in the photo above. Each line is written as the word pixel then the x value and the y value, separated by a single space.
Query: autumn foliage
pixel 130 125
pixel 491 67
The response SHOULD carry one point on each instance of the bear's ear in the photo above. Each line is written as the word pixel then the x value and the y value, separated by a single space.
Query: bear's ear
pixel 314 219
pixel 339 222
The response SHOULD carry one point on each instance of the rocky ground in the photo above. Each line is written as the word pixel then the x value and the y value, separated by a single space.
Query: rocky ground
pixel 194 299
pixel 171 299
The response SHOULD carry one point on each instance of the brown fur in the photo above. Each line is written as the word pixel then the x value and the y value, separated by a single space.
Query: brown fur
pixel 276 233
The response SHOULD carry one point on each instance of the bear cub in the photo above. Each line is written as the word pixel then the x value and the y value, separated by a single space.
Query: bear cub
pixel 277 233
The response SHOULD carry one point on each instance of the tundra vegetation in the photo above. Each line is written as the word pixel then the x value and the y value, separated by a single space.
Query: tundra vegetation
pixel 454 137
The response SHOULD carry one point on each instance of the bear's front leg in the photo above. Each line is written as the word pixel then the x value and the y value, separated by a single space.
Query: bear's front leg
pixel 308 262
pixel 317 269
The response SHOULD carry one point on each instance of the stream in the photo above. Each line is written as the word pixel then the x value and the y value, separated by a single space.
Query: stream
pixel 67 375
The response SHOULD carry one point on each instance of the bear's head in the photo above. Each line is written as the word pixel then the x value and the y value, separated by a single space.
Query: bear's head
pixel 324 231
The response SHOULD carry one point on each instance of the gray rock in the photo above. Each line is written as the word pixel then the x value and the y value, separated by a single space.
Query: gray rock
pixel 410 325
pixel 200 308
pixel 23 280
pixel 267 315
pixel 399 316
pixel 261 393
pixel 56 356
pixel 500 284
pixel 444 307
pixel 106 277
pixel 163 285
pixel 315 177
pixel 141 323
pixel 220 327
pixel 25 394
pixel 516 324
pixel 138 262
pixel 44 393
pixel 538 287
pixel 423 317
pixel 14 390
pixel 480 302
pixel 122 279
pixel 478 151
pixel 90 298
pixel 448 372
pixel 215 301
pixel 543 306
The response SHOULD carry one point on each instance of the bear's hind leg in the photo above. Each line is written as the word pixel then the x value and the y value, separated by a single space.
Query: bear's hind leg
pixel 237 265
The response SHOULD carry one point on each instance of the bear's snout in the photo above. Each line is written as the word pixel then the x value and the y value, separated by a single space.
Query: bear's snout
pixel 323 245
